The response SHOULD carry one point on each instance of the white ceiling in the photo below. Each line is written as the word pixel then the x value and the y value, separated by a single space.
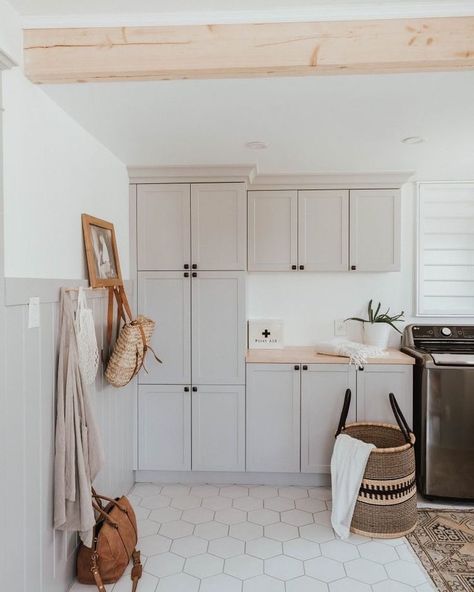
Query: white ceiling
pixel 312 124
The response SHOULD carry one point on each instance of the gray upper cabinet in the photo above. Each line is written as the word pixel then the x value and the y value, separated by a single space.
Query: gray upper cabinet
pixel 375 383
pixel 323 230
pixel 219 226
pixel 323 387
pixel 165 297
pixel 272 230
pixel 375 230
pixel 163 223
pixel 218 327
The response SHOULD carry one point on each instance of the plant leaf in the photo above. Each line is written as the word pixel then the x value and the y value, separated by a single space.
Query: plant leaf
pixel 356 319
pixel 377 311
pixel 370 312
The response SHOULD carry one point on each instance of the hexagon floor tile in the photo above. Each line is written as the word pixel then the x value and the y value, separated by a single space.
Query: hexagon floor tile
pixel 258 538
pixel 243 567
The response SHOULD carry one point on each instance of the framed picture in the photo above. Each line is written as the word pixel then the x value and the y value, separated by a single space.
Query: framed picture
pixel 101 252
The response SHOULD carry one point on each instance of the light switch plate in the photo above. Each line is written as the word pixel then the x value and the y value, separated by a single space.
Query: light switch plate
pixel 340 328
pixel 33 312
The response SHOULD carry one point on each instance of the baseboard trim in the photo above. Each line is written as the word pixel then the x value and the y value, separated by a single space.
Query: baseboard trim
pixel 308 479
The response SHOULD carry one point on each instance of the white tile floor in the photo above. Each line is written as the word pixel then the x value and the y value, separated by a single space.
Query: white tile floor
pixel 231 538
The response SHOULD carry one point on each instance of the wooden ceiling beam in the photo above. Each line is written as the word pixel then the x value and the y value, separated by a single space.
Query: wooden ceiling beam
pixel 246 50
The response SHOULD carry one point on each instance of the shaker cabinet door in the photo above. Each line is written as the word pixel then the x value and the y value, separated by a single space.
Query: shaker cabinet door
pixel 375 230
pixel 323 230
pixel 218 327
pixel 375 383
pixel 273 418
pixel 164 434
pixel 163 223
pixel 219 226
pixel 165 297
pixel 272 230
pixel 323 387
pixel 218 428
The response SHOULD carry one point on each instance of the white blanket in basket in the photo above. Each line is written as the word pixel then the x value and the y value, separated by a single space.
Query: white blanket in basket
pixel 348 462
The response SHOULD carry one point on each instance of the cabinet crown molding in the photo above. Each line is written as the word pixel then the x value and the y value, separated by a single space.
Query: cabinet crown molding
pixel 249 174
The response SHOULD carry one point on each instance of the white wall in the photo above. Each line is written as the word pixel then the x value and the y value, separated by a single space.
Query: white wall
pixel 54 171
pixel 310 302
pixel 10 38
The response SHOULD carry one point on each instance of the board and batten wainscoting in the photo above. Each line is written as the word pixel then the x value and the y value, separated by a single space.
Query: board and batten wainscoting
pixel 40 558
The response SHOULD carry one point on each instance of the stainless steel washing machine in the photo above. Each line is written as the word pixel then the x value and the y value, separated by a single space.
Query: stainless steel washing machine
pixel 443 413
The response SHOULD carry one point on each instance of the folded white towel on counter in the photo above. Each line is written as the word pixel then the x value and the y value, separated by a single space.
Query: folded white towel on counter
pixel 358 353
pixel 348 462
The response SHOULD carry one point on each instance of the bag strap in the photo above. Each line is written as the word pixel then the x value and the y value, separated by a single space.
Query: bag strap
pixel 136 574
pixel 96 572
pixel 400 418
pixel 344 412
pixel 124 311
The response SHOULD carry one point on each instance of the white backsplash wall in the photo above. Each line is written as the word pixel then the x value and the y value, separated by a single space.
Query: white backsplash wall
pixel 310 302
pixel 37 558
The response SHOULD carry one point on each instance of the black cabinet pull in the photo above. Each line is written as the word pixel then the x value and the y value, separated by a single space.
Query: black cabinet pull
pixel 186 389
pixel 297 367
pixel 293 267
pixel 305 367
pixel 195 266
pixel 353 267
pixel 301 266
pixel 186 274
pixel 186 266
pixel 194 274
pixel 195 388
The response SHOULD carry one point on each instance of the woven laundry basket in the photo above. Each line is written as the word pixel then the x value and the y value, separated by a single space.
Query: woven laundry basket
pixel 129 351
pixel 386 505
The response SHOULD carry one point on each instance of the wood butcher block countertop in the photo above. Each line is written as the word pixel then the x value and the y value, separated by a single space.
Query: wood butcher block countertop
pixel 309 355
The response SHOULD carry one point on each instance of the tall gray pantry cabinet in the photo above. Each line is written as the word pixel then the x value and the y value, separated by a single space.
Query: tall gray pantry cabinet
pixel 191 262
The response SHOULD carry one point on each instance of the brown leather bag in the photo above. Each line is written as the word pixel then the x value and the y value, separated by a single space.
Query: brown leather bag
pixel 115 538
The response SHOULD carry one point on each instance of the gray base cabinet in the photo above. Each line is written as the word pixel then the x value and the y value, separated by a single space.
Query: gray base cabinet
pixel 218 428
pixel 164 434
pixel 273 418
pixel 323 387
pixel 374 383
pixel 275 393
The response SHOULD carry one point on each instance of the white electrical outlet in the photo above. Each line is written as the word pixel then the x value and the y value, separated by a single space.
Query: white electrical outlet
pixel 340 328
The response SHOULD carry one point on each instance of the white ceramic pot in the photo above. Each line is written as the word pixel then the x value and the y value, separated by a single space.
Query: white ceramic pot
pixel 376 334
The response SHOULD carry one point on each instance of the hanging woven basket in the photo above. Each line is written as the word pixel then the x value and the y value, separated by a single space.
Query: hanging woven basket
pixel 129 351
pixel 386 504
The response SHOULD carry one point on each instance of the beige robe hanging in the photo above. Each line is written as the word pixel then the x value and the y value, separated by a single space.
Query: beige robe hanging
pixel 79 454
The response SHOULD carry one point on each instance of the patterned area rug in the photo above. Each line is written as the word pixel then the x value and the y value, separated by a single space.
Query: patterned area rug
pixel 444 542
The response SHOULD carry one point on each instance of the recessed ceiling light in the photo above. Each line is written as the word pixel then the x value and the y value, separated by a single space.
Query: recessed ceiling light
pixel 256 145
pixel 412 140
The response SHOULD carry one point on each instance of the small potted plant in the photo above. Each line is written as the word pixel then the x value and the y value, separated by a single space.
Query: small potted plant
pixel 377 326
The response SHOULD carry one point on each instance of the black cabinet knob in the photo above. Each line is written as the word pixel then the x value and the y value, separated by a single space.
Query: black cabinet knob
pixel 195 388
pixel 297 367
pixel 194 274
pixel 194 266
pixel 353 267
pixel 305 367
pixel 186 389
pixel 301 266
pixel 186 274
pixel 293 267
pixel 186 266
